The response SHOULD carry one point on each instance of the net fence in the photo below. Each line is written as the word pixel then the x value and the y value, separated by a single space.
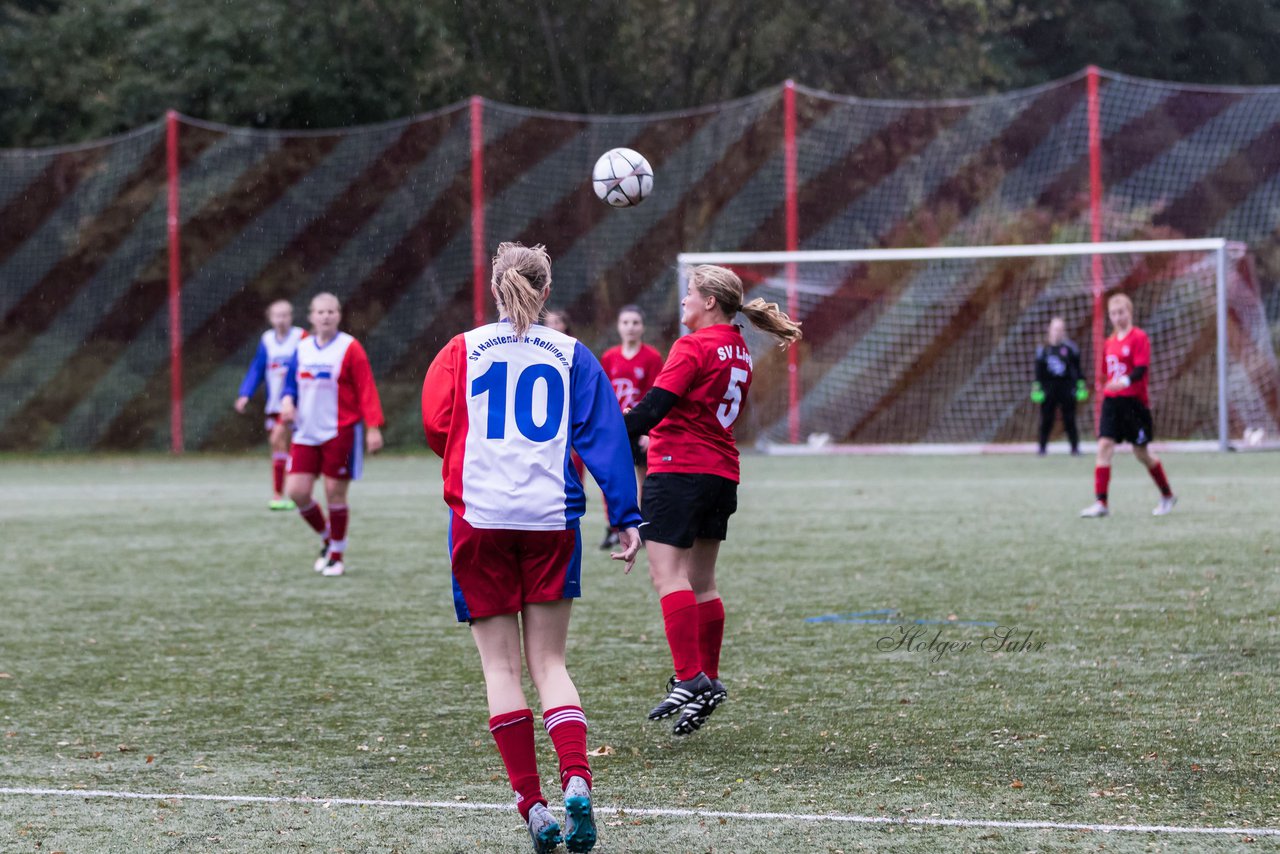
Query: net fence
pixel 383 216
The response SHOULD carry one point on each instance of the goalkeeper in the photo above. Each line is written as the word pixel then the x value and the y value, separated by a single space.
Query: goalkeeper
pixel 1059 384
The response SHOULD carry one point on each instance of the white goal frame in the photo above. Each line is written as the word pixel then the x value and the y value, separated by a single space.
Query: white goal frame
pixel 1216 245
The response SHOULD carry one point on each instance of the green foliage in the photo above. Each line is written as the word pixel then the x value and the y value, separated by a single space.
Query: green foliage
pixel 70 71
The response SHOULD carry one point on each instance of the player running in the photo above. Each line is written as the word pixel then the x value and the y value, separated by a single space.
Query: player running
pixel 632 366
pixel 692 486
pixel 503 405
pixel 330 398
pixel 1059 384
pixel 1125 413
pixel 270 364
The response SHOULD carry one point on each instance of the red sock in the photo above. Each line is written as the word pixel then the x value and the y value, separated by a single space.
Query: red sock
pixel 278 461
pixel 680 614
pixel 314 516
pixel 338 516
pixel 567 726
pixel 513 732
pixel 1101 479
pixel 1157 474
pixel 710 634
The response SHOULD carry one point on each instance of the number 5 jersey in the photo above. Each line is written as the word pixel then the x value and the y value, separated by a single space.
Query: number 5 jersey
pixel 503 412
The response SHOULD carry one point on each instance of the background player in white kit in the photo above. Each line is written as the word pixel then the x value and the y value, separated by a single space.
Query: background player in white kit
pixel 330 398
pixel 270 364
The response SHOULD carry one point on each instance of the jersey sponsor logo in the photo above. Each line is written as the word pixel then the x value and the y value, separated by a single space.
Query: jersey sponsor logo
pixel 1115 367
pixel 316 374
pixel 625 390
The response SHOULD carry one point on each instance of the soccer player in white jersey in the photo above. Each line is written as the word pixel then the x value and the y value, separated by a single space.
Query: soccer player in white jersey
pixel 503 405
pixel 330 398
pixel 270 364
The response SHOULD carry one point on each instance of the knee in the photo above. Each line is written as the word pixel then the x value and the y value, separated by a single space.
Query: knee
pixel 543 672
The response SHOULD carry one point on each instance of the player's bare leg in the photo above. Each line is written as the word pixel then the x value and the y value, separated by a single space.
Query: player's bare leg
pixel 546 628
pixel 1156 470
pixel 279 439
pixel 669 570
pixel 1101 480
pixel 497 639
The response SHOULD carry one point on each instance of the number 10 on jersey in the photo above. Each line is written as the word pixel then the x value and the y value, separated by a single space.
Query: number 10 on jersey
pixel 492 384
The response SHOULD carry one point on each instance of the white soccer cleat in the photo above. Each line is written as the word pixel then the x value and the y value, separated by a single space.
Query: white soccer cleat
pixel 333 568
pixel 1096 510
pixel 1165 506
pixel 323 560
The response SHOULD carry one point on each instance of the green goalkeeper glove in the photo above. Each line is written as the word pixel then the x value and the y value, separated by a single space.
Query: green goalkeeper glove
pixel 1082 391
pixel 1037 393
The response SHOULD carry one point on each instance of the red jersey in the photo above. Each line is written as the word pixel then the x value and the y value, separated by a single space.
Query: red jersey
pixel 710 371
pixel 631 378
pixel 1125 354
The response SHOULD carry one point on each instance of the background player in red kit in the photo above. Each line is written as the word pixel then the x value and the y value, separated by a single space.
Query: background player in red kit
pixel 1126 416
pixel 632 367
pixel 692 487
pixel 503 405
pixel 331 399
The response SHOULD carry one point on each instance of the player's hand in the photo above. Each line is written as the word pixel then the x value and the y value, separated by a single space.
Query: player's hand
pixel 373 440
pixel 287 411
pixel 241 403
pixel 1037 393
pixel 1082 391
pixel 643 442
pixel 629 539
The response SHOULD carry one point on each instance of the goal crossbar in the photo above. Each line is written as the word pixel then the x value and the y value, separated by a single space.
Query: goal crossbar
pixel 935 253
pixel 1217 246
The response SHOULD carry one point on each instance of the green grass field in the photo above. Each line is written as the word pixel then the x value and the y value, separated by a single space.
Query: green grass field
pixel 163 633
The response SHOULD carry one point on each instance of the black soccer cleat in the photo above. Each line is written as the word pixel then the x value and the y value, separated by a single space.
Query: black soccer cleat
pixel 610 540
pixel 681 694
pixel 696 713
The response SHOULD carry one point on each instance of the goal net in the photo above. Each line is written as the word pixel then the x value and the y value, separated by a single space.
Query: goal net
pixel 937 346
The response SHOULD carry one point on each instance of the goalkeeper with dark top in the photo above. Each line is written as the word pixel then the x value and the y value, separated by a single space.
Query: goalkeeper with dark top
pixel 1059 384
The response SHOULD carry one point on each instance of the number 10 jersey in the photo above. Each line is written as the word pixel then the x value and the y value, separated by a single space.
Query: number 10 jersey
pixel 503 412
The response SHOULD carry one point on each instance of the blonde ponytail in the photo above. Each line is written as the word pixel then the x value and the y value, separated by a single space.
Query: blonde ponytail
pixel 521 278
pixel 723 285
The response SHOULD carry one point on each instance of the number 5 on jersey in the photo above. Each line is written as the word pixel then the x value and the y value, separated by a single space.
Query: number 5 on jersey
pixel 493 384
pixel 727 412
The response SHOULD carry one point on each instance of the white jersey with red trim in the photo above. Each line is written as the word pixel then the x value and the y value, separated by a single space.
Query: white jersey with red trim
pixel 317 399
pixel 504 411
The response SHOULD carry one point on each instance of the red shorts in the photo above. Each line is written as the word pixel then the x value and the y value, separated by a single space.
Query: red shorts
pixel 272 420
pixel 499 571
pixel 341 458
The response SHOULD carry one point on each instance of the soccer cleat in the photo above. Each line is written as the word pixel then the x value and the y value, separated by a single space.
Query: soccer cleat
pixel 696 713
pixel 323 560
pixel 281 504
pixel 610 539
pixel 543 829
pixel 579 818
pixel 1165 505
pixel 1096 510
pixel 334 567
pixel 681 694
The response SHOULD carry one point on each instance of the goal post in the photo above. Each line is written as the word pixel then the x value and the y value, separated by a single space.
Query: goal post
pixel 936 345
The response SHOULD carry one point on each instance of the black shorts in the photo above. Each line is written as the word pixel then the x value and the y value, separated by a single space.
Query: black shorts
pixel 681 508
pixel 1126 419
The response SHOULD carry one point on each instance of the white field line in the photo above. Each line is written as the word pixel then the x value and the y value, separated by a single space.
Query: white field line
pixel 658 812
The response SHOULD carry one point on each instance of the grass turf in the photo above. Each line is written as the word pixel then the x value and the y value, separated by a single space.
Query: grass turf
pixel 162 632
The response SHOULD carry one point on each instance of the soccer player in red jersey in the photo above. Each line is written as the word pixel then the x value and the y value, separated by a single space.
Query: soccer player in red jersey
pixel 270 364
pixel 503 405
pixel 692 486
pixel 332 402
pixel 632 367
pixel 1126 416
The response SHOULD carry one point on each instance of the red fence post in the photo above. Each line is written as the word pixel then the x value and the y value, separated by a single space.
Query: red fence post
pixel 479 261
pixel 1095 233
pixel 175 285
pixel 793 244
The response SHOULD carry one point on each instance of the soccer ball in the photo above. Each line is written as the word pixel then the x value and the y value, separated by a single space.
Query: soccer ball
pixel 1254 436
pixel 622 177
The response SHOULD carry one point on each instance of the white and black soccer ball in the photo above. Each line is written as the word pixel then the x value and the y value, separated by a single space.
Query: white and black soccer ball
pixel 622 177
